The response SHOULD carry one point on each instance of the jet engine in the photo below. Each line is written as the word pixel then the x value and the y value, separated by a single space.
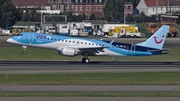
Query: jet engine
pixel 68 52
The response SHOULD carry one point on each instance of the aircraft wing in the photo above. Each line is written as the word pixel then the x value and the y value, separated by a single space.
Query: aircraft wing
pixel 92 50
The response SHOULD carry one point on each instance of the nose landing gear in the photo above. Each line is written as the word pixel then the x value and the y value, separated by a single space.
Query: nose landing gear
pixel 24 49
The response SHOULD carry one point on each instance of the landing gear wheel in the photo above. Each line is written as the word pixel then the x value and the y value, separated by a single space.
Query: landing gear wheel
pixel 24 49
pixel 85 60
pixel 23 52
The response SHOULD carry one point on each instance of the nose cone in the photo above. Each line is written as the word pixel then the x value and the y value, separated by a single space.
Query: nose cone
pixel 9 40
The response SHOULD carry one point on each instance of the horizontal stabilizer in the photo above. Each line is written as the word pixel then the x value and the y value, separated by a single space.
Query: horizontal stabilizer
pixel 164 51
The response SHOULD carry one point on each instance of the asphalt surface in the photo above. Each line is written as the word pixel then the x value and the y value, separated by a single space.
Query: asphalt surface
pixel 37 67
pixel 90 98
pixel 90 88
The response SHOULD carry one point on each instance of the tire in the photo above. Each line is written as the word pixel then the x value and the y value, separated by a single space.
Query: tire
pixel 175 34
pixel 23 52
pixel 85 60
pixel 168 35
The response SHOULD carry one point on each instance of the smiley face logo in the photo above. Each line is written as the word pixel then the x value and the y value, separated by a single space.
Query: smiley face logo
pixel 158 42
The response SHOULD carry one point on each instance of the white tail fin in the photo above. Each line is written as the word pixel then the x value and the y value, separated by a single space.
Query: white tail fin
pixel 157 39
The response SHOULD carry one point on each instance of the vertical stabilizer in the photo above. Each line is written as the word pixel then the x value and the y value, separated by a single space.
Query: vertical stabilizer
pixel 157 39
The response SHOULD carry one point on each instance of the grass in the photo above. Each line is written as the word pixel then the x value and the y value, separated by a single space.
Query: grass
pixel 89 94
pixel 100 78
pixel 8 53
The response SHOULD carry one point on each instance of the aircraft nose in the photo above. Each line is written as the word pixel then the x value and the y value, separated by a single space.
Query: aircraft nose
pixel 9 40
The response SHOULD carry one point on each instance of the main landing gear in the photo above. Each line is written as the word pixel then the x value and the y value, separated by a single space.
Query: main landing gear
pixel 24 49
pixel 85 59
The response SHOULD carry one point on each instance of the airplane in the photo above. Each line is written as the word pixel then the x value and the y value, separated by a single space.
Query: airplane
pixel 73 46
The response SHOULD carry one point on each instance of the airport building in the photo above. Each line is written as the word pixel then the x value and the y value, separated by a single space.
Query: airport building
pixel 155 7
pixel 63 6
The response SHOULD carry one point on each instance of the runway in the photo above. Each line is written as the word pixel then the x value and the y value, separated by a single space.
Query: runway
pixel 37 67
pixel 90 99
pixel 90 88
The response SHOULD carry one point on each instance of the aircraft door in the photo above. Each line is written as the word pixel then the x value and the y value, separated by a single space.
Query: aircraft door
pixel 133 49
pixel 31 38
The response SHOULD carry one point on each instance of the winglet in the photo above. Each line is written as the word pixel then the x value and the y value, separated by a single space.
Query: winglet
pixel 110 43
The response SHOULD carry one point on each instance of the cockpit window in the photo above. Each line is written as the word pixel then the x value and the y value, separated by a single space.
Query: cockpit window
pixel 19 35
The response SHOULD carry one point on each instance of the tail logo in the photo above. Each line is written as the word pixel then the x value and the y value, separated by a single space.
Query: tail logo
pixel 158 42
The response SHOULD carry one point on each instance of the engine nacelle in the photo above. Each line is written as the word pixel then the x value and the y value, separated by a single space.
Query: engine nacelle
pixel 68 52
